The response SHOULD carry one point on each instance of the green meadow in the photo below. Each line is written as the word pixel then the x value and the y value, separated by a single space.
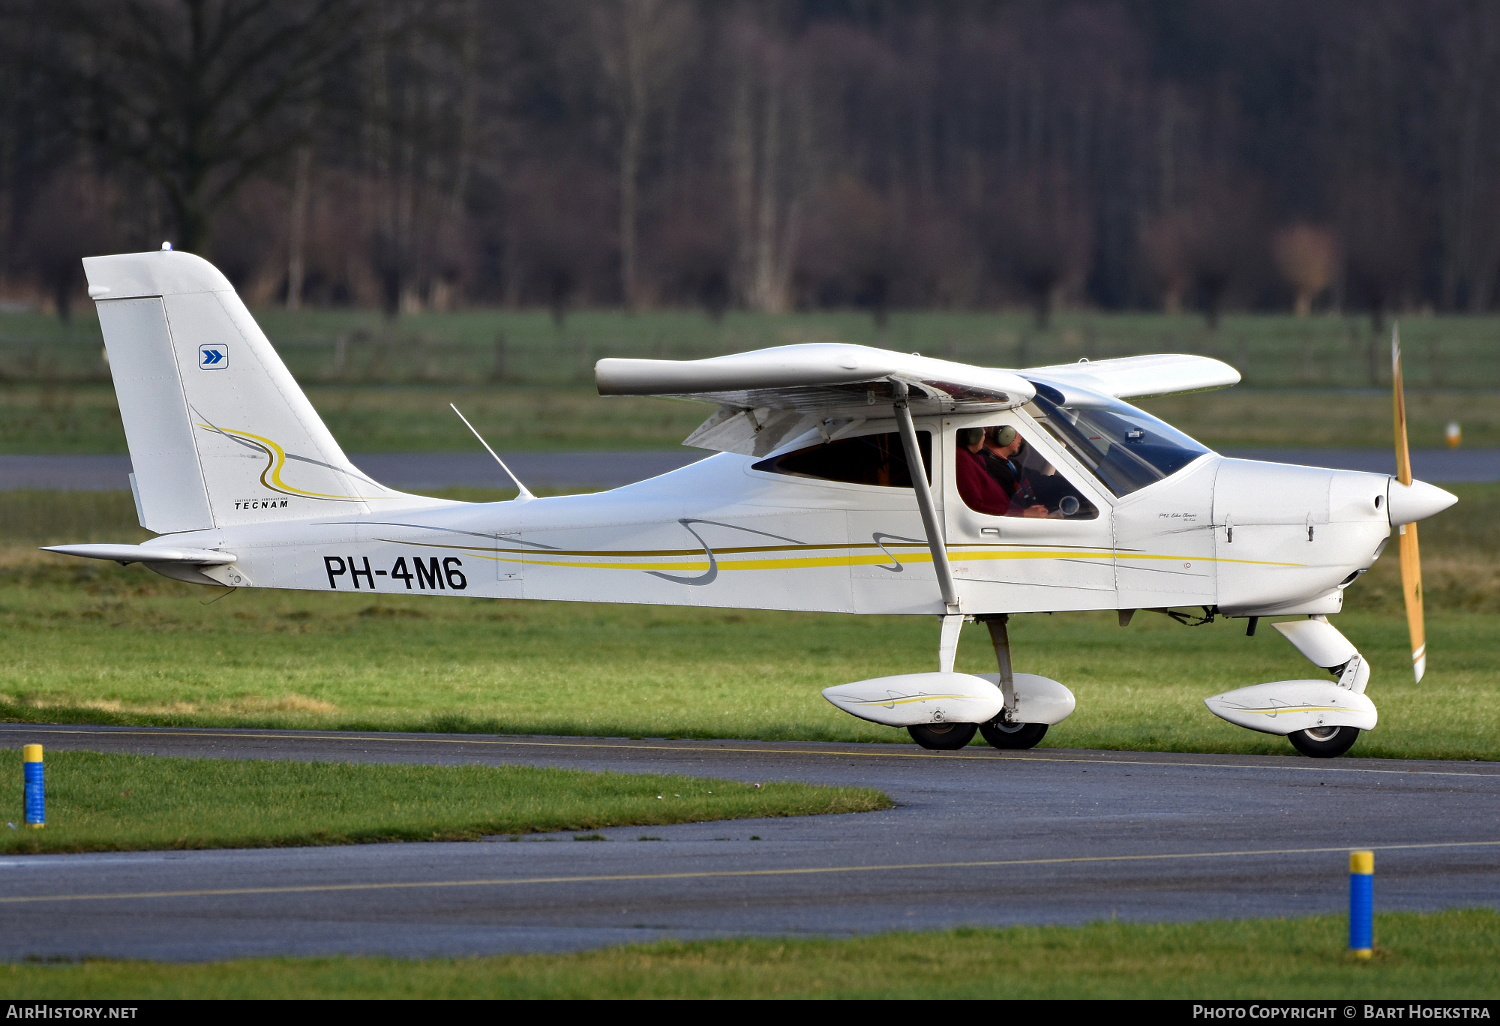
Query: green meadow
pixel 527 383
pixel 1449 955
pixel 109 802
pixel 95 642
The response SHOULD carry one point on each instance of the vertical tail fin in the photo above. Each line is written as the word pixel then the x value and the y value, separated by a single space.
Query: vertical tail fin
pixel 219 432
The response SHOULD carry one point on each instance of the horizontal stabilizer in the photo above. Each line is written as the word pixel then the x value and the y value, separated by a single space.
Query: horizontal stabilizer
pixel 145 554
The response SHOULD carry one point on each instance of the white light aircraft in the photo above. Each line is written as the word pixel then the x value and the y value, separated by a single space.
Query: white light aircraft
pixel 810 504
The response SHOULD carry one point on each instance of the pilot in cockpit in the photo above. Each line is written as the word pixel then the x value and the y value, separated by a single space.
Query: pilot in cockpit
pixel 1000 454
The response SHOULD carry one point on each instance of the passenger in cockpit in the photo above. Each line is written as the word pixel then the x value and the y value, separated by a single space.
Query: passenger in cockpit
pixel 975 485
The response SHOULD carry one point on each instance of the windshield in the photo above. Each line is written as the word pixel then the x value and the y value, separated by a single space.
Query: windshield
pixel 1126 448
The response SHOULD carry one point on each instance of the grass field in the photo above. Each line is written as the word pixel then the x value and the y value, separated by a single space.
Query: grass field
pixel 1449 955
pixel 90 641
pixel 99 802
pixel 382 388
pixel 415 418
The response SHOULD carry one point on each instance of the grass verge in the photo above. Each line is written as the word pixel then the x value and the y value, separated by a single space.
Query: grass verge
pixel 1448 955
pixel 99 802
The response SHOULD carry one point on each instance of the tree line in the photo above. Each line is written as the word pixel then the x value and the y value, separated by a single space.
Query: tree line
pixel 763 154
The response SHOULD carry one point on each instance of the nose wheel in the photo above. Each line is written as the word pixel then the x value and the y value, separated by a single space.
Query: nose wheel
pixel 1323 742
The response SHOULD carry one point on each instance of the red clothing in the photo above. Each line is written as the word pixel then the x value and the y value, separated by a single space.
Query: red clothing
pixel 977 488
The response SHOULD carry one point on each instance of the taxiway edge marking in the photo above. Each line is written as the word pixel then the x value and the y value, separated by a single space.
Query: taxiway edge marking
pixel 633 747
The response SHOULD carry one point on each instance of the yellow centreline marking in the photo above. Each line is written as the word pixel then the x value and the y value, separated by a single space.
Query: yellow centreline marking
pixel 729 873
pixel 1287 763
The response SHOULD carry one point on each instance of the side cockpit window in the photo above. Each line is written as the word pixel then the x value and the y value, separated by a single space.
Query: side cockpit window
pixel 868 460
pixel 1000 474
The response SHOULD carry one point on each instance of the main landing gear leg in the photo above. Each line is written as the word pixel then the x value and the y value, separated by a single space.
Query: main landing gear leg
pixel 945 737
pixel 1005 731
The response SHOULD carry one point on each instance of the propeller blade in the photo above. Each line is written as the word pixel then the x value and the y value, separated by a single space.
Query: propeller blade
pixel 1411 588
pixel 1403 454
pixel 1411 560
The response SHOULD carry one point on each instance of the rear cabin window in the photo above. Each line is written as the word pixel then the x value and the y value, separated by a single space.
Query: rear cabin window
pixel 868 460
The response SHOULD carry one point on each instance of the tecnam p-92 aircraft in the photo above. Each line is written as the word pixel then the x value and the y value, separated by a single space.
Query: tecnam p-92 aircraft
pixel 1039 490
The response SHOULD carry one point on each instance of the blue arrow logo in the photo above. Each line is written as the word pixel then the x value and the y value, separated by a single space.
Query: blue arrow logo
pixel 214 357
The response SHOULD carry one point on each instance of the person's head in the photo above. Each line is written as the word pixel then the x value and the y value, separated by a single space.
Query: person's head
pixel 971 439
pixel 1004 440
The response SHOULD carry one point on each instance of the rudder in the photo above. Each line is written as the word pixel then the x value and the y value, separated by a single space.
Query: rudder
pixel 218 430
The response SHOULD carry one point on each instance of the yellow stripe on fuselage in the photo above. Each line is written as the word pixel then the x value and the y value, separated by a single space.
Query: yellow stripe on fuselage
pixel 277 457
pixel 816 562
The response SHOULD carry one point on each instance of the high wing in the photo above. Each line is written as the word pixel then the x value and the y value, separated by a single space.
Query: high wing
pixel 770 395
pixel 1138 377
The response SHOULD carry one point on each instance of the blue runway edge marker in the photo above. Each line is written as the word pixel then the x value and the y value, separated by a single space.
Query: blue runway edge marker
pixel 1362 903
pixel 36 790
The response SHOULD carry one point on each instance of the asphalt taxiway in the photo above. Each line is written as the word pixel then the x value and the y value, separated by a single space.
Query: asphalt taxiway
pixel 977 838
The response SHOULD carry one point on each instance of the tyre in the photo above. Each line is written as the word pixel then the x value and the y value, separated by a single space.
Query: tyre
pixel 943 737
pixel 1323 742
pixel 1013 735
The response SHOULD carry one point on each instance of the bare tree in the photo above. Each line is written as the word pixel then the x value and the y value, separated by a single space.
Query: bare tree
pixel 1041 238
pixel 1308 258
pixel 1166 243
pixel 642 46
pixel 194 93
pixel 768 142
pixel 71 218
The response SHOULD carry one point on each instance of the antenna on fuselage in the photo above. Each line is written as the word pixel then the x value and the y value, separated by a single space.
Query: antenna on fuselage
pixel 525 492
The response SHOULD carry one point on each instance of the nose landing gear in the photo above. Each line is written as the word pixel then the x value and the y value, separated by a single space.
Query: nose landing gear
pixel 1321 718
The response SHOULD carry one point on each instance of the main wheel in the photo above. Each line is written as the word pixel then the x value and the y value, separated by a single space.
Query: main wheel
pixel 1012 735
pixel 943 737
pixel 1324 742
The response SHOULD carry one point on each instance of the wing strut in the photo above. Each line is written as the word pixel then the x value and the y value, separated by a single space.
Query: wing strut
pixel 924 501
